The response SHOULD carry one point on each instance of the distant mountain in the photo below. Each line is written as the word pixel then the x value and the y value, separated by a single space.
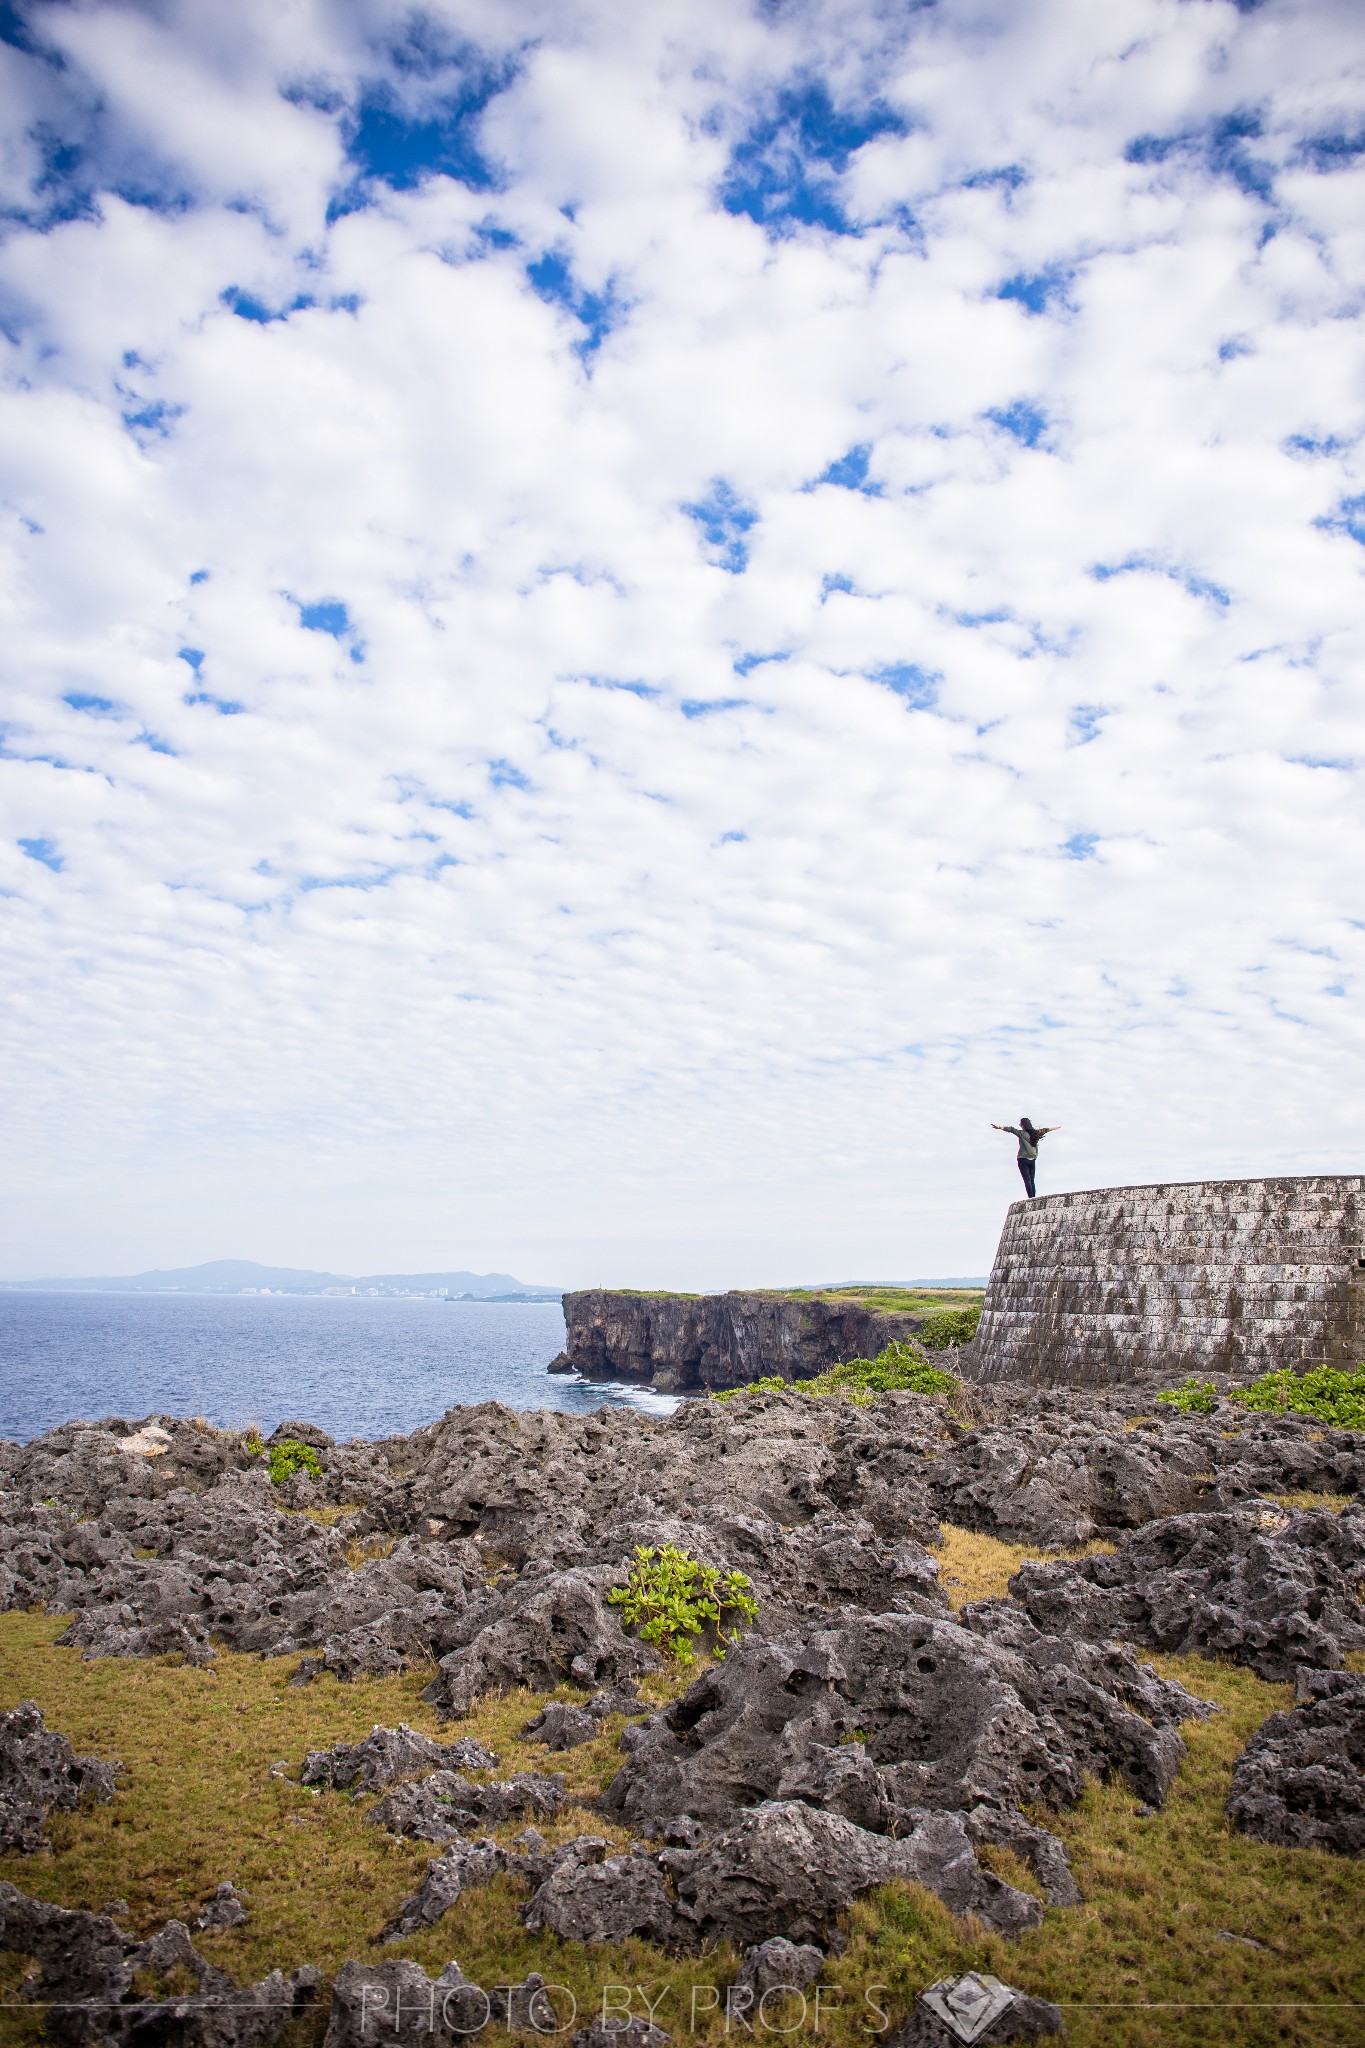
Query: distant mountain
pixel 234 1276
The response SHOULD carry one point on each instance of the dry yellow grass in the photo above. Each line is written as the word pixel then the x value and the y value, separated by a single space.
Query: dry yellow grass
pixel 1140 1965
pixel 1333 1501
pixel 974 1567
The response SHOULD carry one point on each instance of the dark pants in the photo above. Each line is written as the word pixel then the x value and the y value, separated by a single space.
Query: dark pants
pixel 1027 1168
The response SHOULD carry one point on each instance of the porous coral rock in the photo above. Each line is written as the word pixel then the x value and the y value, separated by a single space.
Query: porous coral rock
pixel 857 1696
pixel 388 1754
pixel 785 1867
pixel 775 1965
pixel 1258 1583
pixel 1300 1780
pixel 559 1725
pixel 552 1627
pixel 635 2032
pixel 39 1770
pixel 562 1725
pixel 444 1805
pixel 978 2008
pixel 1056 1466
pixel 607 1899
pixel 822 1503
pixel 227 1908
pixel 448 1877
pixel 464 1863
pixel 87 1969
pixel 396 2002
pixel 892 1713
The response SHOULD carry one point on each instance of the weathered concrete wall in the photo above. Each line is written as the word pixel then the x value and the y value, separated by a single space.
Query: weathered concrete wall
pixel 1214 1275
pixel 684 1343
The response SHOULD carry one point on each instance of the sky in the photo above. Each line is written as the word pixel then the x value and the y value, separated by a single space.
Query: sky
pixel 620 626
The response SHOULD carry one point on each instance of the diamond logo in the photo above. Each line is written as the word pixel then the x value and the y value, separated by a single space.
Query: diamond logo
pixel 968 2004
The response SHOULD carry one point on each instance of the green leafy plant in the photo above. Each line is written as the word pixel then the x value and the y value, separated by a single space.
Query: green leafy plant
pixel 771 1385
pixel 1327 1393
pixel 1195 1397
pixel 947 1327
pixel 897 1368
pixel 252 1445
pixel 289 1456
pixel 672 1597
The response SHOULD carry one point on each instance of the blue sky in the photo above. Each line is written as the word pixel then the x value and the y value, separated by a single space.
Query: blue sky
pixel 621 626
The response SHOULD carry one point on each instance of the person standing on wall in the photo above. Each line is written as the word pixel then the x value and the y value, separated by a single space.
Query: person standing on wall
pixel 1030 1137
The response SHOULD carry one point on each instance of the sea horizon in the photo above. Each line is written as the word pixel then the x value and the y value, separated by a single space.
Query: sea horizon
pixel 352 1365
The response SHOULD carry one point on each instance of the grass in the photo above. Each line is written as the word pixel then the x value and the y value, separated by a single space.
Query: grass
pixel 1143 1963
pixel 1139 1965
pixel 886 1300
pixel 900 1300
pixel 974 1567
pixel 1333 1502
pixel 325 1517
pixel 650 1293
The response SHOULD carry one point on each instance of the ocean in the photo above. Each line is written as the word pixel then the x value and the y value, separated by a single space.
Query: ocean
pixel 355 1366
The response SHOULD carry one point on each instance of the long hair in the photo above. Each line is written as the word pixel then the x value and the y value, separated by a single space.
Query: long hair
pixel 1025 1125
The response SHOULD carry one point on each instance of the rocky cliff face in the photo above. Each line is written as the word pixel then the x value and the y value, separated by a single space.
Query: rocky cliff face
pixel 682 1343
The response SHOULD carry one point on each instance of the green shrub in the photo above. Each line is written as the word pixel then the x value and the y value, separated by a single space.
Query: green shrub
pixel 671 1597
pixel 770 1385
pixel 948 1326
pixel 1327 1393
pixel 899 1367
pixel 252 1445
pixel 289 1456
pixel 1195 1397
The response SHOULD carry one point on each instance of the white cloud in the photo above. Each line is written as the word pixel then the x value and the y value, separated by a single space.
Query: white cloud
pixel 562 899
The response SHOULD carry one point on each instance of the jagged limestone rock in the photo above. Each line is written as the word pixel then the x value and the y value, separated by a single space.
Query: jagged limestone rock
pixel 388 1754
pixel 445 1805
pixel 227 1908
pixel 39 1771
pixel 1300 1780
pixel 784 1867
pixel 773 1966
pixel 892 1713
pixel 608 1899
pixel 976 2007
pixel 87 1968
pixel 1259 1583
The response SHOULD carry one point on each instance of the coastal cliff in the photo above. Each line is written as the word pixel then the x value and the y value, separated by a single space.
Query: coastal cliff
pixel 681 1343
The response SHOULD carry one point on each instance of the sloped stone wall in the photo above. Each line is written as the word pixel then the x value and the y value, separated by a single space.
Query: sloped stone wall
pixel 1226 1275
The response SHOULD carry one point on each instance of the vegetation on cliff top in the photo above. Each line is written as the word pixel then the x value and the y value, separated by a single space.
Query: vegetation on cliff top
pixel 910 1300
pixel 882 1300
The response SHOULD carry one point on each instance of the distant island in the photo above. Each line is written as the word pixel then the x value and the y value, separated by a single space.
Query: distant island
pixel 245 1276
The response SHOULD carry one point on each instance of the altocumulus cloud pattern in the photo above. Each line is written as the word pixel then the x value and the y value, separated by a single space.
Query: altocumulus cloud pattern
pixel 621 623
